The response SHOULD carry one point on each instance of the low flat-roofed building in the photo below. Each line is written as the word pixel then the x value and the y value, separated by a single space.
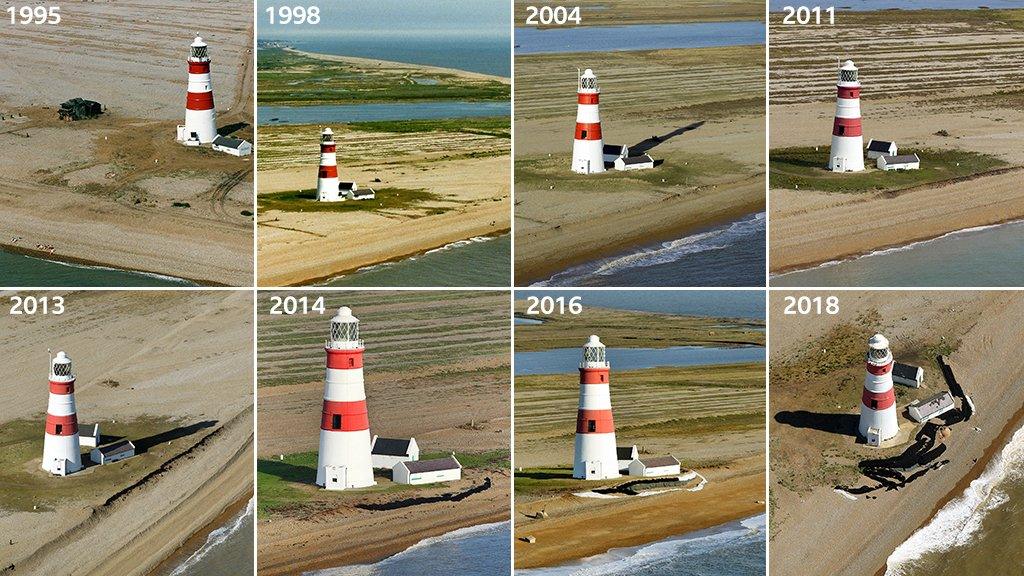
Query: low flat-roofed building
pixel 931 407
pixel 655 466
pixel 112 452
pixel 427 471
pixel 901 162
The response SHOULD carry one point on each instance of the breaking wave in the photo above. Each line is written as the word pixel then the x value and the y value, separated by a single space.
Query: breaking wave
pixel 667 252
pixel 214 539
pixel 959 521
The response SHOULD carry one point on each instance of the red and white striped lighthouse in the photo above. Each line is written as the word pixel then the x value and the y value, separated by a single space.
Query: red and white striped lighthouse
pixel 327 176
pixel 200 116
pixel 61 447
pixel 344 457
pixel 878 403
pixel 595 457
pixel 587 144
pixel 847 152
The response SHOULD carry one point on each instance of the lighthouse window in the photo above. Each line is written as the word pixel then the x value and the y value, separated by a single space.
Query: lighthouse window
pixel 602 378
pixel 58 428
pixel 591 425
pixel 199 51
pixel 847 75
pixel 874 403
pixel 842 129
pixel 336 422
pixel 62 369
pixel 583 133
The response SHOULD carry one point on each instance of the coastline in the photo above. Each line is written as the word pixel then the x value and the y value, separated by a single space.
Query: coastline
pixel 197 539
pixel 75 260
pixel 390 64
pixel 1012 425
pixel 552 250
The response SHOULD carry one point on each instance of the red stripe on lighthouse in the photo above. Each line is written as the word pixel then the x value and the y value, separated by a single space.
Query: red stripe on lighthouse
pixel 879 370
pixel 848 93
pixel 588 131
pixel 344 359
pixel 882 400
pixel 68 425
pixel 344 416
pixel 587 98
pixel 62 387
pixel 846 127
pixel 198 67
pixel 593 375
pixel 594 422
pixel 324 148
pixel 328 172
pixel 199 101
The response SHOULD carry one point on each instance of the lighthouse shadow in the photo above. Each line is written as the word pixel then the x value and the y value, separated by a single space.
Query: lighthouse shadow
pixel 142 445
pixel 230 129
pixel 646 145
pixel 845 424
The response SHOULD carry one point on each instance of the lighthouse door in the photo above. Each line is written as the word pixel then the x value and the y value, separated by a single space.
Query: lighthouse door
pixel 839 164
pixel 594 469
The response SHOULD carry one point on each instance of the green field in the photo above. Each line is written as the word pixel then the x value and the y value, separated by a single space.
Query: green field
pixel 498 126
pixel 803 168
pixel 288 484
pixel 387 199
pixel 292 79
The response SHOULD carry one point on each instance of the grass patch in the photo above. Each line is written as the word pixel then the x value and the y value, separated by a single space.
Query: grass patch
pixel 695 170
pixel 498 126
pixel 387 199
pixel 291 79
pixel 702 425
pixel 543 480
pixel 804 168
pixel 489 459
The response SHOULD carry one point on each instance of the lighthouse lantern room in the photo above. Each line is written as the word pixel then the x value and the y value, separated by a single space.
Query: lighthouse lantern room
pixel 588 144
pixel 344 459
pixel 847 152
pixel 61 446
pixel 595 455
pixel 878 402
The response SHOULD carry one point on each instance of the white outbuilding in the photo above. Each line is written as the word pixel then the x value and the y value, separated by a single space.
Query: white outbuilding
pixel 640 162
pixel 613 152
pixel 877 148
pixel 112 452
pixel 386 452
pixel 89 435
pixel 907 375
pixel 626 455
pixel 658 466
pixel 233 146
pixel 427 471
pixel 901 162
pixel 931 407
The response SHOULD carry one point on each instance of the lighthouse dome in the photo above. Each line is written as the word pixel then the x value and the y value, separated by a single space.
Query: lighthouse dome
pixel 594 341
pixel 198 41
pixel 878 342
pixel 848 65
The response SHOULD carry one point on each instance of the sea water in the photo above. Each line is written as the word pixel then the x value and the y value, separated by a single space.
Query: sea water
pixel 734 549
pixel 982 256
pixel 637 37
pixel 479 261
pixel 22 270
pixel 227 551
pixel 978 532
pixel 565 360
pixel 731 254
pixel 472 551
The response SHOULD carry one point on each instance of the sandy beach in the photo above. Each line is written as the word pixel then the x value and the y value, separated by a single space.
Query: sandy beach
pixel 916 105
pixel 402 67
pixel 117 190
pixel 130 375
pixel 807 465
